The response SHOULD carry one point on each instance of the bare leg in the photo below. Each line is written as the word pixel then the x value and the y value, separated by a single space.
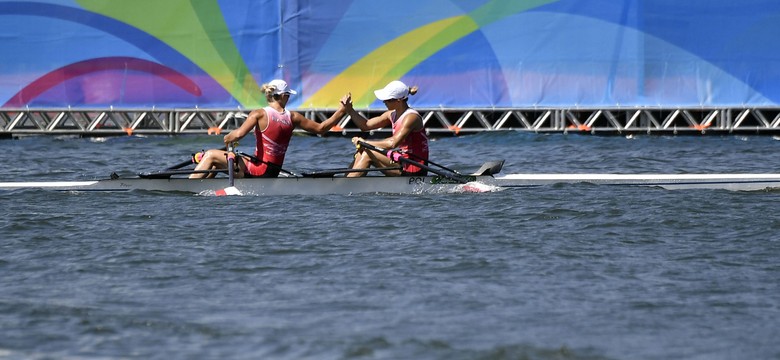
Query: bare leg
pixel 362 161
pixel 212 159
pixel 367 158
pixel 381 160
pixel 217 159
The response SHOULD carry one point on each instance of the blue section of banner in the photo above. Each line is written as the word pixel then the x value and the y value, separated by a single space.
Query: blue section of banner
pixel 567 53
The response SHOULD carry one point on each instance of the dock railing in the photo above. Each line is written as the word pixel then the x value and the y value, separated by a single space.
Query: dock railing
pixel 438 121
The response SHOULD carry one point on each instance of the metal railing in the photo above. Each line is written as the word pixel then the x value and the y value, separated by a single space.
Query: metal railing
pixel 444 122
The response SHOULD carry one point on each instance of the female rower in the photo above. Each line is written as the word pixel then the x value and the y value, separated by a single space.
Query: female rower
pixel 273 127
pixel 408 133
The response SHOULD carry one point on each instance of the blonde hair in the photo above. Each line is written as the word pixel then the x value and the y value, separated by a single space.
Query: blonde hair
pixel 269 90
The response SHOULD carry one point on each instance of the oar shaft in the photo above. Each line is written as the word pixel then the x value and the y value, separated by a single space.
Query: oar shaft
pixel 169 173
pixel 452 176
pixel 231 160
pixel 189 161
pixel 331 172
pixel 180 165
pixel 432 163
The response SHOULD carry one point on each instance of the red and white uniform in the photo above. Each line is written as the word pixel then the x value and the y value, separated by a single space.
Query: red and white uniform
pixel 415 143
pixel 271 143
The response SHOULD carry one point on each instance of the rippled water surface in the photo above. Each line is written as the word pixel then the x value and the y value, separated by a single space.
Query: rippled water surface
pixel 558 272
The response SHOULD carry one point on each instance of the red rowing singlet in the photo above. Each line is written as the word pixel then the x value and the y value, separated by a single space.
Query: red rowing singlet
pixel 272 142
pixel 415 143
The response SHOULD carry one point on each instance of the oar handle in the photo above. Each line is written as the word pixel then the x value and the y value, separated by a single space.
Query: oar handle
pixel 368 146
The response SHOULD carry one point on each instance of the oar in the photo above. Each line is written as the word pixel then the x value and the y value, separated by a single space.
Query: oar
pixel 231 159
pixel 419 158
pixel 331 172
pixel 180 165
pixel 166 174
pixel 441 166
pixel 191 160
pixel 452 176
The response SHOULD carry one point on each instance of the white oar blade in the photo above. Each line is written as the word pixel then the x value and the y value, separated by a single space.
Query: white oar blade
pixel 232 190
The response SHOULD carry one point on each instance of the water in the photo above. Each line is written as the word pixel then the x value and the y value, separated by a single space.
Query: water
pixel 558 272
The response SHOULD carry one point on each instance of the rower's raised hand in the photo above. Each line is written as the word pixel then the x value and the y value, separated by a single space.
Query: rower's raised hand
pixel 346 101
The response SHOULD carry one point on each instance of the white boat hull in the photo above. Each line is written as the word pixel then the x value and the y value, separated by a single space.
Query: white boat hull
pixel 277 186
pixel 410 185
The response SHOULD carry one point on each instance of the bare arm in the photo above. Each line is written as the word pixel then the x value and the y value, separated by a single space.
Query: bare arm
pixel 315 127
pixel 255 118
pixel 410 123
pixel 360 120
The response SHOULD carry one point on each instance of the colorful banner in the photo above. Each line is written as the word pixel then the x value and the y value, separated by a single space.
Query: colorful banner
pixel 461 53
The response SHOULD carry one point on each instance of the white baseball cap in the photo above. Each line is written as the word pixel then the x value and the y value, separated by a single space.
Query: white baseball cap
pixel 281 87
pixel 394 90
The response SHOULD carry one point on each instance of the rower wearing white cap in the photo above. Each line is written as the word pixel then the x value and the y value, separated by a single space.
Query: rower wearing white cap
pixel 408 132
pixel 273 127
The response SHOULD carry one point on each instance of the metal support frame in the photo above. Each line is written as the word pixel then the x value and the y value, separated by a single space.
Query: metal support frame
pixel 440 121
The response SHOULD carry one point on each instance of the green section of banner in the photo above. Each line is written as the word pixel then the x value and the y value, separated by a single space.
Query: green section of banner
pixel 197 30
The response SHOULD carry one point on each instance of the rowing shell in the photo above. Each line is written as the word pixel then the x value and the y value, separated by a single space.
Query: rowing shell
pixel 410 185
pixel 268 186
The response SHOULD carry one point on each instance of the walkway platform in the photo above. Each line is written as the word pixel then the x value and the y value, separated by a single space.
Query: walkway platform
pixel 439 122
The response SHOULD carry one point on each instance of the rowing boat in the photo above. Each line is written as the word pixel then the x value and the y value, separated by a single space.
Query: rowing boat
pixel 324 182
pixel 482 180
pixel 409 185
pixel 266 186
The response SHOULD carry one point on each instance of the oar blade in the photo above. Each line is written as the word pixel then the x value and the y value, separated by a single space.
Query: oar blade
pixel 228 191
pixel 231 158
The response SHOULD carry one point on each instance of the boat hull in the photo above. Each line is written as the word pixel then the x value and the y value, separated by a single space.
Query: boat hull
pixel 410 185
pixel 262 186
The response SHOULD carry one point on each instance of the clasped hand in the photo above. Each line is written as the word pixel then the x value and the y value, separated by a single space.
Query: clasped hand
pixel 346 101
